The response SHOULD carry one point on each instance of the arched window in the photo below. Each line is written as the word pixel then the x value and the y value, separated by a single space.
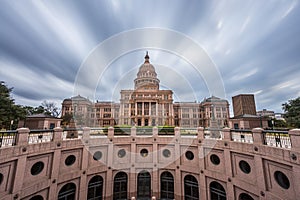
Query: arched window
pixel 244 196
pixel 144 185
pixel 95 188
pixel 166 186
pixel 67 192
pixel 191 189
pixel 38 197
pixel 217 192
pixel 120 186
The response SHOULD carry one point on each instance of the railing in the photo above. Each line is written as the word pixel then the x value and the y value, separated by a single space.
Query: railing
pixel 280 139
pixel 98 132
pixel 38 136
pixel 277 138
pixel 144 131
pixel 7 138
pixel 72 133
pixel 188 131
pixel 239 135
pixel 119 131
pixel 213 133
pixel 165 130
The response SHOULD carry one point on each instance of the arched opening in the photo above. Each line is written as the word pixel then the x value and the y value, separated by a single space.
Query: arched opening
pixel 37 197
pixel 144 185
pixel 120 186
pixel 191 189
pixel 166 186
pixel 95 188
pixel 217 192
pixel 67 192
pixel 244 196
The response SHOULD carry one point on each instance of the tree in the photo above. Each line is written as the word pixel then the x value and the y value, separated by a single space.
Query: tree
pixel 10 113
pixel 292 112
pixel 50 108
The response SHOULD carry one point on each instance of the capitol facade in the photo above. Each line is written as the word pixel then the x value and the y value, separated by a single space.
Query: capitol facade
pixel 147 105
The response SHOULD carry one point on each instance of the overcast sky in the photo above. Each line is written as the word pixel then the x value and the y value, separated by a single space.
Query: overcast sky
pixel 254 45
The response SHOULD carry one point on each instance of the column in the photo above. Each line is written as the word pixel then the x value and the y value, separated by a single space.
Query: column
pixel 22 136
pixel 295 139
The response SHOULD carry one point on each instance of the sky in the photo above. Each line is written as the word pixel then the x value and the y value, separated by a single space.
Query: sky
pixel 50 49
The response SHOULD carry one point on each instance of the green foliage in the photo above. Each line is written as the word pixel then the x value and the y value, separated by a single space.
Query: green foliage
pixel 10 113
pixel 66 119
pixel 292 112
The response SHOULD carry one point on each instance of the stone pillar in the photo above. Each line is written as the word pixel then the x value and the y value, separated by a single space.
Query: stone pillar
pixel 22 136
pixel 200 131
pixel 295 139
pixel 57 135
pixel 258 136
pixel 155 131
pixel 110 132
pixel 133 131
pixel 86 134
pixel 177 132
pixel 226 134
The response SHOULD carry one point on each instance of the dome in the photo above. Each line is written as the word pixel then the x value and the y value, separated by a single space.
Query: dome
pixel 146 68
pixel 146 76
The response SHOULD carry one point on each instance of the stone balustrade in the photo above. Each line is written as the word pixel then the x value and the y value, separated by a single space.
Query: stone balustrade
pixel 257 163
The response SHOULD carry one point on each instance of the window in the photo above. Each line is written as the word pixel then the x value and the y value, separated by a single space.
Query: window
pixel 166 186
pixel 191 189
pixel 70 160
pixel 107 115
pixel 1 178
pixel 144 185
pixel 67 192
pixel 97 155
pixel 282 179
pixel 95 188
pixel 189 155
pixel 144 152
pixel 185 116
pixel 36 168
pixel 166 153
pixel 245 167
pixel 121 153
pixel 108 109
pixel 245 196
pixel 106 122
pixel 217 191
pixel 37 197
pixel 215 159
pixel 120 186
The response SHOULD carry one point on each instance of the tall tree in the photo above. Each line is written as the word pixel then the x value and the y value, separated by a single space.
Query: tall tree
pixel 292 112
pixel 10 113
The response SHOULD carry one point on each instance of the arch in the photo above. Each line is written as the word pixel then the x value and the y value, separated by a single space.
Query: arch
pixel 191 189
pixel 120 186
pixel 217 191
pixel 244 196
pixel 166 186
pixel 95 188
pixel 68 191
pixel 37 197
pixel 144 185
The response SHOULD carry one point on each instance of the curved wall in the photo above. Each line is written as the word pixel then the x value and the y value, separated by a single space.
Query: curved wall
pixel 255 169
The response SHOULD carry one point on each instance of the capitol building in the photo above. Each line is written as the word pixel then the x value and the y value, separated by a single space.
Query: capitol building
pixel 147 147
pixel 147 105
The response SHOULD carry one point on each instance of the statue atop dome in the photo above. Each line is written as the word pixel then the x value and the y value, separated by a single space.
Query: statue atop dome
pixel 146 76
